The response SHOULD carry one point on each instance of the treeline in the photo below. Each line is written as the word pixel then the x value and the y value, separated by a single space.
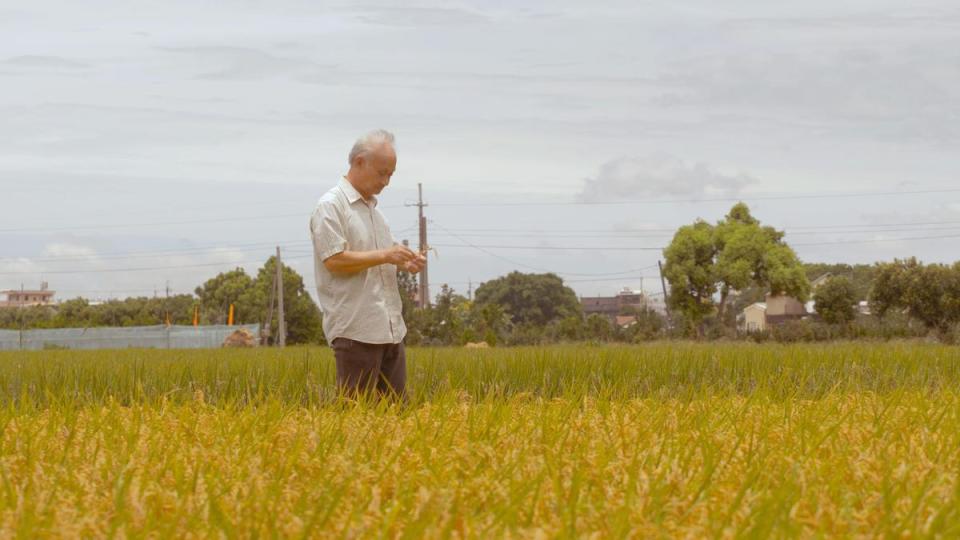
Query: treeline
pixel 249 296
pixel 518 309
pixel 927 293
pixel 905 299
pixel 714 271
pixel 79 313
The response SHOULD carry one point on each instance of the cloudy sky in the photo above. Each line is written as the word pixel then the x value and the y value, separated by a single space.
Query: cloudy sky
pixel 143 143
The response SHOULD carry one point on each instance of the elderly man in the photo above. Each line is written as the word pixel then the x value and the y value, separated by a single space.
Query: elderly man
pixel 356 260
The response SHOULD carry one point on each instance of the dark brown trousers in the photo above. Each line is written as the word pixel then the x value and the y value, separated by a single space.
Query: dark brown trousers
pixel 368 367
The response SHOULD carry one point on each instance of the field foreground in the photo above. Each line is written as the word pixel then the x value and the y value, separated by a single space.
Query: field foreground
pixel 662 440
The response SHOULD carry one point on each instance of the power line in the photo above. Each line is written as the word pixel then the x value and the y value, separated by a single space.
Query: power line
pixel 140 269
pixel 798 196
pixel 152 289
pixel 877 240
pixel 291 246
pixel 616 234
pixel 154 224
pixel 787 228
pixel 712 199
pixel 609 279
pixel 466 244
pixel 522 265
pixel 154 253
pixel 562 248
pixel 651 248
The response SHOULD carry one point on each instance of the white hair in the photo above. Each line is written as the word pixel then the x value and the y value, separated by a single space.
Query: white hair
pixel 370 141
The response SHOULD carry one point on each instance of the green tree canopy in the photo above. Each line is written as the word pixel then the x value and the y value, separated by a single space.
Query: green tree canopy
pixel 234 287
pixel 928 293
pixel 301 313
pixel 835 300
pixel 530 298
pixel 703 260
pixel 250 297
pixel 692 271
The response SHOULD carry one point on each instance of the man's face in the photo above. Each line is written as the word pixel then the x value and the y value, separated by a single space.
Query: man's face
pixel 376 168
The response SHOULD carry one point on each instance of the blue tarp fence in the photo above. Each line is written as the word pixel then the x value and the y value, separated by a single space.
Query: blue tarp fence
pixel 148 337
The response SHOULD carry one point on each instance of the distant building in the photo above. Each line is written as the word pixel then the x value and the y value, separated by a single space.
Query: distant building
pixel 777 309
pixel 820 280
pixel 754 317
pixel 782 308
pixel 613 306
pixel 27 298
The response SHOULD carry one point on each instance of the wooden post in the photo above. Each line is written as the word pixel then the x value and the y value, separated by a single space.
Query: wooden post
pixel 423 294
pixel 20 313
pixel 424 247
pixel 666 303
pixel 281 323
pixel 265 329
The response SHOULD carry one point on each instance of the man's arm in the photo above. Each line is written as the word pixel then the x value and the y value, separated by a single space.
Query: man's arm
pixel 349 262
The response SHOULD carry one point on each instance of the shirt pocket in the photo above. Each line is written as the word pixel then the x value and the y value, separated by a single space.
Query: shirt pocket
pixel 358 232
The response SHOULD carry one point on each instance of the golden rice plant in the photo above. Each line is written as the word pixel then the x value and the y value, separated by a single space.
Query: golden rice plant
pixel 675 440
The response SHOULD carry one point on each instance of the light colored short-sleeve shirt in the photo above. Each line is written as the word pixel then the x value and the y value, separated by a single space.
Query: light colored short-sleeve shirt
pixel 363 306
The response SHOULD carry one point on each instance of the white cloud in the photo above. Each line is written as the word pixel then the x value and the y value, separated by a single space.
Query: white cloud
pixel 244 64
pixel 42 62
pixel 67 250
pixel 419 16
pixel 870 91
pixel 659 175
pixel 164 112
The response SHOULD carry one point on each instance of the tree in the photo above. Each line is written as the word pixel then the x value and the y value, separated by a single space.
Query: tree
pixel 569 328
pixel 489 321
pixel 233 287
pixel 301 314
pixel 835 300
pixel 598 327
pixel 446 323
pixel 250 297
pixel 861 275
pixel 691 271
pixel 536 299
pixel 738 252
pixel 407 284
pixel 75 313
pixel 748 253
pixel 649 325
pixel 929 293
pixel 890 286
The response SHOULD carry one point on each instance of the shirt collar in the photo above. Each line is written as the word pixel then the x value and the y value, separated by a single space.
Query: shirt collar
pixel 352 194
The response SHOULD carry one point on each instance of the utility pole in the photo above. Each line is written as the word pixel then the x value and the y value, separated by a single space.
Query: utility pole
pixel 20 312
pixel 166 314
pixel 265 329
pixel 424 293
pixel 281 323
pixel 666 304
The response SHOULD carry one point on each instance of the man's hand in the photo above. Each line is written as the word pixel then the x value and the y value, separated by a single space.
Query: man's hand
pixel 416 265
pixel 399 255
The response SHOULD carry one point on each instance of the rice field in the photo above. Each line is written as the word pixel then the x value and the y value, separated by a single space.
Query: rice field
pixel 661 440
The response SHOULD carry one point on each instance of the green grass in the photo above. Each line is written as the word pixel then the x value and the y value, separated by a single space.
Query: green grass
pixel 667 439
pixel 305 376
